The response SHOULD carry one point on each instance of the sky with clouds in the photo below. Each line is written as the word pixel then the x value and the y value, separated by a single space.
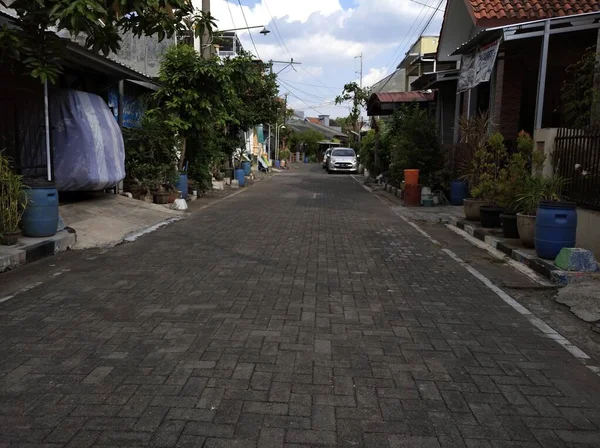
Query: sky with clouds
pixel 326 36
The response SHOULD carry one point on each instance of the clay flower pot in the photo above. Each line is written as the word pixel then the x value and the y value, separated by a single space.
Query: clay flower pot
pixel 471 207
pixel 526 226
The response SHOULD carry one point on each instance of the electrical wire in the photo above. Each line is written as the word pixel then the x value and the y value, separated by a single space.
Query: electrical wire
pixel 249 31
pixel 302 91
pixel 437 9
pixel 403 41
pixel 278 35
pixel 313 85
pixel 230 14
pixel 306 104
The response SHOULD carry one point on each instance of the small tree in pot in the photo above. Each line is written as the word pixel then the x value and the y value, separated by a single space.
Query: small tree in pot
pixel 513 180
pixel 536 189
pixel 12 202
pixel 473 140
pixel 490 161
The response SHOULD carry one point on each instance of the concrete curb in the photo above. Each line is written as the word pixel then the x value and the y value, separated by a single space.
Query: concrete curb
pixel 33 249
pixel 542 267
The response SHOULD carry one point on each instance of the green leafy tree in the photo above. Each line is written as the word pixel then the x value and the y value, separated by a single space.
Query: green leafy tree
pixel 309 140
pixel 35 44
pixel 412 138
pixel 490 160
pixel 193 94
pixel 254 101
pixel 358 97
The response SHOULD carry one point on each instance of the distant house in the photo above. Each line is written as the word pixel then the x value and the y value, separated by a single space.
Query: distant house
pixel 419 59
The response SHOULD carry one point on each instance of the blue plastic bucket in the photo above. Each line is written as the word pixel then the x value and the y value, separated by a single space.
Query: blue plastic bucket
pixel 240 175
pixel 247 166
pixel 458 192
pixel 277 163
pixel 555 228
pixel 41 214
pixel 182 185
pixel 306 160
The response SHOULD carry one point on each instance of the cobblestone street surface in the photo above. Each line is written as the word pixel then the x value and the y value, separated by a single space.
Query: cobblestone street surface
pixel 300 313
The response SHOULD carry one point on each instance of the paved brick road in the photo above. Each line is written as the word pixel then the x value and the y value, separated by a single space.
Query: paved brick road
pixel 301 313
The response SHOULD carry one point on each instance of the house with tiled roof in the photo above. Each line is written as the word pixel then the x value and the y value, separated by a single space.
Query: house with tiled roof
pixel 509 37
pixel 514 60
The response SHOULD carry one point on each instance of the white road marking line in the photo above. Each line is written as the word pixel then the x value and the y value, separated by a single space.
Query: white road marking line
pixel 20 291
pixel 546 329
pixel 528 272
pixel 134 236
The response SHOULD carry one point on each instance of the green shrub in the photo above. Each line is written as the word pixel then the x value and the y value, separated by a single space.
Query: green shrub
pixel 413 142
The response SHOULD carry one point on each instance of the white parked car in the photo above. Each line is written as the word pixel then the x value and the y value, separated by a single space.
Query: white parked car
pixel 342 160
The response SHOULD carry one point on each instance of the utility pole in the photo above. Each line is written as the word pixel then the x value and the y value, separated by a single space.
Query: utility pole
pixel 361 69
pixel 205 46
pixel 360 122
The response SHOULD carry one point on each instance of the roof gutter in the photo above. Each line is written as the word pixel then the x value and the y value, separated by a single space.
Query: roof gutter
pixel 535 28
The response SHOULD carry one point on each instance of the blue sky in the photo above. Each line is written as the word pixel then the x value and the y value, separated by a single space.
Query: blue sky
pixel 326 36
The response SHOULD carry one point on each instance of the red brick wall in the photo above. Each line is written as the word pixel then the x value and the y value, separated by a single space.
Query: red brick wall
pixel 519 81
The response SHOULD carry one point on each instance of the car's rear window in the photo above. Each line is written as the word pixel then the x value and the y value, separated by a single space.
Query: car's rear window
pixel 343 153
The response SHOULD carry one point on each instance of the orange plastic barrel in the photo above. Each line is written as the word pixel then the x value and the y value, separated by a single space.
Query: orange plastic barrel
pixel 412 195
pixel 411 177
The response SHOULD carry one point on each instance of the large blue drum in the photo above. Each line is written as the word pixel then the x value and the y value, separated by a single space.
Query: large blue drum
pixel 247 168
pixel 182 185
pixel 41 214
pixel 555 228
pixel 240 175
pixel 459 191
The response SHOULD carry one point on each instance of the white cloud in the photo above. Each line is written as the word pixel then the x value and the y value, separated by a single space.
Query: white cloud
pixel 326 38
pixel 374 75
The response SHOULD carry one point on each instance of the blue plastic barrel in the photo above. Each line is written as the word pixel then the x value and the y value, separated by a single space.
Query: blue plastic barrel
pixel 306 160
pixel 458 192
pixel 240 175
pixel 41 214
pixel 182 185
pixel 247 168
pixel 277 163
pixel 555 228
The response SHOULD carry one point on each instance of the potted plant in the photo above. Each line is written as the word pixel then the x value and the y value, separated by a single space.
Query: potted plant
pixel 13 201
pixel 488 163
pixel 512 183
pixel 556 220
pixel 284 156
pixel 536 189
pixel 472 164
pixel 163 183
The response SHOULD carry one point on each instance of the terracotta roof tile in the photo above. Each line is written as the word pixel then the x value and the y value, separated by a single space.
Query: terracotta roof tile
pixel 516 10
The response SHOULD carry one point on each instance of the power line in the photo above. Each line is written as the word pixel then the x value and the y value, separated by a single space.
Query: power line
pixel 313 85
pixel 230 13
pixel 277 32
pixel 402 42
pixel 248 26
pixel 421 33
pixel 321 98
pixel 315 78
pixel 306 104
pixel 416 34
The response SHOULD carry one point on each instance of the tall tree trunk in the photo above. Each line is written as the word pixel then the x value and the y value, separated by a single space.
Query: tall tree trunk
pixel 182 156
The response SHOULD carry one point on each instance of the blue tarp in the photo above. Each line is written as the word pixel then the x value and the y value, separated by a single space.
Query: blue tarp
pixel 87 143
